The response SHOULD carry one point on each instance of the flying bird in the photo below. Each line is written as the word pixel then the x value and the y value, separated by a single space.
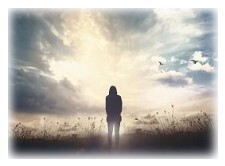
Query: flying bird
pixel 194 61
pixel 160 63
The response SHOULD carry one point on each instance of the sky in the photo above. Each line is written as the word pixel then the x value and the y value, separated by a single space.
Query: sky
pixel 63 62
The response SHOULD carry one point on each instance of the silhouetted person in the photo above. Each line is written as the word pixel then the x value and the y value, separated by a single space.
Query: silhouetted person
pixel 113 110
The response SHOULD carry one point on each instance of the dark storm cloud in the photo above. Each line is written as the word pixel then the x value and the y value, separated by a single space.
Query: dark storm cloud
pixel 31 39
pixel 36 93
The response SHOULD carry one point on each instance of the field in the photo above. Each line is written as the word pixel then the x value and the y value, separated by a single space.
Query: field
pixel 156 133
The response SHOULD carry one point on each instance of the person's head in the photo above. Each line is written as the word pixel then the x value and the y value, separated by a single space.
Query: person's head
pixel 112 90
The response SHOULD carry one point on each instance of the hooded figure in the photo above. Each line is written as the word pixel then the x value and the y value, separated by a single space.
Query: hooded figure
pixel 113 110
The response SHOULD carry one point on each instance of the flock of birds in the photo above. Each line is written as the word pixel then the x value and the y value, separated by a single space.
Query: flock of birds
pixel 194 61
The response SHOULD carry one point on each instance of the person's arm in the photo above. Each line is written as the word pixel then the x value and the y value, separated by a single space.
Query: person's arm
pixel 121 104
pixel 106 105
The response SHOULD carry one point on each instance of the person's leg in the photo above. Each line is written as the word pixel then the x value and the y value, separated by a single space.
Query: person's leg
pixel 110 130
pixel 117 135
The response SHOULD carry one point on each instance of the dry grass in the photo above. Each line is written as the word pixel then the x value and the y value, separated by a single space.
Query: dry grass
pixel 166 131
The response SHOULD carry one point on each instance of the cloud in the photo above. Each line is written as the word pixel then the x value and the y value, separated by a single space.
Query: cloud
pixel 35 93
pixel 158 58
pixel 202 64
pixel 183 62
pixel 201 67
pixel 173 78
pixel 94 49
pixel 173 59
pixel 176 29
pixel 198 55
pixel 176 21
pixel 130 20
pixel 33 42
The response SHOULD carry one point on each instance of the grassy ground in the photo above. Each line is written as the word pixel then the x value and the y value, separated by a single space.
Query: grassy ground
pixel 179 141
pixel 169 135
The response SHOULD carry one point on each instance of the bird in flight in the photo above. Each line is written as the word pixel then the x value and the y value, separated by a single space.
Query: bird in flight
pixel 160 63
pixel 194 61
